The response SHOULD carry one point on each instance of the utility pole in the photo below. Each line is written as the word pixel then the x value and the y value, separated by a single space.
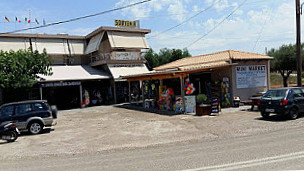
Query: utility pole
pixel 299 59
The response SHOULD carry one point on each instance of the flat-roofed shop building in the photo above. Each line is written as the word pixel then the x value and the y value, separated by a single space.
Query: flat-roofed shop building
pixel 86 69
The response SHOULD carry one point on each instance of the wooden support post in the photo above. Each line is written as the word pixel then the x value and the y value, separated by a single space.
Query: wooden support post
pixel 161 82
pixel 40 92
pixel 80 95
pixel 129 91
pixel 183 93
pixel 199 86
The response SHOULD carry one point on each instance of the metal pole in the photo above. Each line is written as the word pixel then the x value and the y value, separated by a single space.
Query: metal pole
pixel 40 91
pixel 299 59
pixel 80 95
pixel 183 93
pixel 142 92
pixel 129 91
pixel 114 87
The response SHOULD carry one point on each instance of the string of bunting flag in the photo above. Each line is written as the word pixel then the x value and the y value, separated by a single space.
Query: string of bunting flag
pixel 26 20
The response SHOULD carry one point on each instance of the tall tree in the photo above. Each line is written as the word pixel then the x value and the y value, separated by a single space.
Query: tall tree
pixel 19 69
pixel 284 61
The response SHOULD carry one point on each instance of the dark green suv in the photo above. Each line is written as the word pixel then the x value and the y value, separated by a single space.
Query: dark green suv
pixel 32 115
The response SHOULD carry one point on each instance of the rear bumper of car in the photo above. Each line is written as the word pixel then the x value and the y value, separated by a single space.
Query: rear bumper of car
pixel 279 110
pixel 48 121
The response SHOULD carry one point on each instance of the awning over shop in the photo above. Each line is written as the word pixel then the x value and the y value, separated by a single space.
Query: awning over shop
pixel 15 44
pixel 78 72
pixel 127 40
pixel 119 70
pixel 94 43
pixel 58 46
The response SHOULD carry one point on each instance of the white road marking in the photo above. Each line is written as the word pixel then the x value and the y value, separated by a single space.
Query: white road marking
pixel 251 163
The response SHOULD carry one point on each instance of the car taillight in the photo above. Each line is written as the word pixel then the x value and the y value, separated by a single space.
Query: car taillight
pixel 284 102
pixel 259 102
pixel 13 125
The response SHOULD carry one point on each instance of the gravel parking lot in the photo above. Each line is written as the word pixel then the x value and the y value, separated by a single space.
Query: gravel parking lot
pixel 103 128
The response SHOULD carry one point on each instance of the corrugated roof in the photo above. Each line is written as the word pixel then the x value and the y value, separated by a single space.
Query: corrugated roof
pixel 227 56
pixel 77 72
pixel 204 65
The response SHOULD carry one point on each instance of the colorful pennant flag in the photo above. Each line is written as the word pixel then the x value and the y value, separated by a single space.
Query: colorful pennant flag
pixel 36 21
pixel 7 19
pixel 28 21
pixel 17 20
pixel 25 19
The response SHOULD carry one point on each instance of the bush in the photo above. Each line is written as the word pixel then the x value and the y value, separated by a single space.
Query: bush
pixel 201 98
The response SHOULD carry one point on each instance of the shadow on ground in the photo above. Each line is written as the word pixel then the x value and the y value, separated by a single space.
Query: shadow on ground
pixel 140 108
pixel 277 118
pixel 44 131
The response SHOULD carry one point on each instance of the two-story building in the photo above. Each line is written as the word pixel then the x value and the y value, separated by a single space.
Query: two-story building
pixel 86 69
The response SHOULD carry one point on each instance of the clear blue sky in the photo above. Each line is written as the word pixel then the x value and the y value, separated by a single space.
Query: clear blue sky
pixel 255 25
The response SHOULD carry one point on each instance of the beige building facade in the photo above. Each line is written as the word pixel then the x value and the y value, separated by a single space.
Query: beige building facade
pixel 90 64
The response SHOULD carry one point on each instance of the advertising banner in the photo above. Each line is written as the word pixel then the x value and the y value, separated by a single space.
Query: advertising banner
pixel 251 76
pixel 190 104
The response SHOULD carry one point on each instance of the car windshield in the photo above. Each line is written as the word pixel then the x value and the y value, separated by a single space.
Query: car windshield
pixel 275 94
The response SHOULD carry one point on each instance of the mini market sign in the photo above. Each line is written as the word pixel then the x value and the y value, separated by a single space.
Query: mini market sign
pixel 125 23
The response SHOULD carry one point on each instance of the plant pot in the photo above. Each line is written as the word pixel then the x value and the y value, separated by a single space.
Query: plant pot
pixel 204 109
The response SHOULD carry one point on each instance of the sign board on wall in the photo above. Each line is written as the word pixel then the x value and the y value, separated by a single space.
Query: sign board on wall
pixel 125 55
pixel 60 84
pixel 125 23
pixel 251 76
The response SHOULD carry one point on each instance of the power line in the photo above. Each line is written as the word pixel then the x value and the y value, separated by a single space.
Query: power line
pixel 215 2
pixel 78 18
pixel 217 24
pixel 260 33
pixel 262 29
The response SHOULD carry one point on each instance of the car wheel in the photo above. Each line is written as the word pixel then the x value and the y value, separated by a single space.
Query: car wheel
pixel 293 113
pixel 265 115
pixel 13 135
pixel 35 127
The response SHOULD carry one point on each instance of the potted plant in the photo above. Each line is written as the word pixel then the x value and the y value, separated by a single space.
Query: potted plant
pixel 202 105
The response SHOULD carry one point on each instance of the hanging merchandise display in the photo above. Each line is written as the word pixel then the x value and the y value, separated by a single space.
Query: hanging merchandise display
pixel 189 88
pixel 162 101
pixel 169 98
pixel 225 92
pixel 178 106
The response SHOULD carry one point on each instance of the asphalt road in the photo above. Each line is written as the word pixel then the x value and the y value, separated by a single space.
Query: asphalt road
pixel 277 150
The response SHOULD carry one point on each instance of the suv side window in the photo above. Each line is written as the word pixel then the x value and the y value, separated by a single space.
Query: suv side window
pixel 7 111
pixel 38 107
pixel 23 108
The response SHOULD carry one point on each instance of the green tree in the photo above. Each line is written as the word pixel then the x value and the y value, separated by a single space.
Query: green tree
pixel 152 59
pixel 19 69
pixel 284 61
pixel 164 56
